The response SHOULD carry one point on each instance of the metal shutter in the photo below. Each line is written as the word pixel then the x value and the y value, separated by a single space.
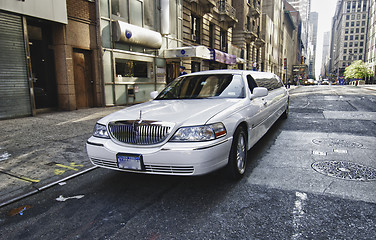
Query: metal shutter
pixel 14 87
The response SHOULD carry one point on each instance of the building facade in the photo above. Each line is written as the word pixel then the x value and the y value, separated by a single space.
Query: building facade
pixel 371 40
pixel 49 56
pixel 325 56
pixel 349 34
pixel 247 33
pixel 314 17
pixel 304 9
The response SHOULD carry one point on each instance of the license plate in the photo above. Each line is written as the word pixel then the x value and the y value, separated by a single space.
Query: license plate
pixel 129 161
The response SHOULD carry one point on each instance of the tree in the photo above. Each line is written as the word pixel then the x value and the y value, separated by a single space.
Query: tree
pixel 358 70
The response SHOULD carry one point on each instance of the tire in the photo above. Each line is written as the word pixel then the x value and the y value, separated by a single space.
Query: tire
pixel 237 161
pixel 285 114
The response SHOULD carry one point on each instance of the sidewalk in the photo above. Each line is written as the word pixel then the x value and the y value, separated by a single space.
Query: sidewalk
pixel 41 151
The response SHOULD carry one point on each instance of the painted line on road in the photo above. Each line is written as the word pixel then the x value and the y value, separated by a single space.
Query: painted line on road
pixel 298 214
pixel 19 177
pixel 46 186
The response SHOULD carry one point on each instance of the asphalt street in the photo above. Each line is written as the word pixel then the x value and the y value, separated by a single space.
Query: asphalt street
pixel 311 177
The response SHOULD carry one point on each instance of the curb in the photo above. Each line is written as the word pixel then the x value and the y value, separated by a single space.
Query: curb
pixel 37 190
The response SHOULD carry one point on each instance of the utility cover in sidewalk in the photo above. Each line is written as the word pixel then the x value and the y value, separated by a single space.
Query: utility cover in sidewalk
pixel 345 170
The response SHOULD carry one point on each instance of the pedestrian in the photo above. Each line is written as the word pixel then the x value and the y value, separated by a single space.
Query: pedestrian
pixel 182 71
pixel 254 66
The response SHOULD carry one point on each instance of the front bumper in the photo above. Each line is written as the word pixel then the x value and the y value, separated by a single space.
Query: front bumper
pixel 168 159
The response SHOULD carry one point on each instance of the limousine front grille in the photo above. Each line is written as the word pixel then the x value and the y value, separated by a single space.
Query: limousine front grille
pixel 139 132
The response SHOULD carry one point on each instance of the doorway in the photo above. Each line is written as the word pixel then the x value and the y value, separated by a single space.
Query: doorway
pixel 83 80
pixel 172 71
pixel 42 64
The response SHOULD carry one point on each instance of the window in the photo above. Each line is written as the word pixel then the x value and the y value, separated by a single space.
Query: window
pixel 353 17
pixel 346 38
pixel 361 37
pixel 364 16
pixel 351 30
pixel 360 57
pixel 347 24
pixel 348 17
pixel 136 13
pixel 357 23
pixel 351 37
pixel 129 68
pixel 350 44
pixel 361 44
pixel 344 51
pixel 362 30
pixel 345 44
pixel 196 29
pixel 356 37
pixel 344 58
pixel 355 44
pixel 248 23
pixel 223 40
pixel 357 30
pixel 120 8
pixel 355 51
pixel 211 35
pixel 269 83
pixel 363 23
pixel 346 31
pixel 352 24
pixel 360 50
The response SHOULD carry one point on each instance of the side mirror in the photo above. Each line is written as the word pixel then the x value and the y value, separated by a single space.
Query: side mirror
pixel 259 92
pixel 153 94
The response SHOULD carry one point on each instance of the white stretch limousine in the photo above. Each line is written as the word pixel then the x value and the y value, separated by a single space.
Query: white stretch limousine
pixel 199 123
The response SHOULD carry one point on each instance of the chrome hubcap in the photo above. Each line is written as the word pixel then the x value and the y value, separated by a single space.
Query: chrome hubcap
pixel 240 154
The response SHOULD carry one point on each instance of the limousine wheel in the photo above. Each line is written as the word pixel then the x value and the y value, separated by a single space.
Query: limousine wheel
pixel 285 114
pixel 238 155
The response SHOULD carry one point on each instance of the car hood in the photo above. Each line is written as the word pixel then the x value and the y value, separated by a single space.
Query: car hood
pixel 180 112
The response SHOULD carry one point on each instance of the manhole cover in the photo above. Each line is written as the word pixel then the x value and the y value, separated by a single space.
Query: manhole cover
pixel 333 142
pixel 345 170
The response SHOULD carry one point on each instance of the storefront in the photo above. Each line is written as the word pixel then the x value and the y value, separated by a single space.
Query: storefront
pixel 27 79
pixel 194 59
pixel 131 68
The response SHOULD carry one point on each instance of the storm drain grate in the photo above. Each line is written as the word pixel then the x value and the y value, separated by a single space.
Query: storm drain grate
pixel 333 142
pixel 345 170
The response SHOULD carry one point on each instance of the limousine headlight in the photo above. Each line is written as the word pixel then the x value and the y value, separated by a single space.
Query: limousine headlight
pixel 199 133
pixel 100 131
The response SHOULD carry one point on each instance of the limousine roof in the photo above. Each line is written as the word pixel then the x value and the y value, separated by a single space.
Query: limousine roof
pixel 254 74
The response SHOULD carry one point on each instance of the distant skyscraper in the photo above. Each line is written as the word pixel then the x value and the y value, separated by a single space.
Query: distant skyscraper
pixel 314 18
pixel 304 8
pixel 325 54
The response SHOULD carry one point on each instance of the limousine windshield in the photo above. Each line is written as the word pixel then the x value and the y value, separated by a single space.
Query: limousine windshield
pixel 204 86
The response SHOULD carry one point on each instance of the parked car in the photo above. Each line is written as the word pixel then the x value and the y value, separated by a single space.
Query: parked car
pixel 199 123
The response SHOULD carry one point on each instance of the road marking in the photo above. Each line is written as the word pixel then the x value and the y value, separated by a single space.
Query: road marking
pixel 340 151
pixel 63 199
pixel 319 153
pixel 5 156
pixel 68 167
pixel 19 177
pixel 298 214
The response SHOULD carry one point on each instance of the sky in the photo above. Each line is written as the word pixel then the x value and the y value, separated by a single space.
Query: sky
pixel 326 9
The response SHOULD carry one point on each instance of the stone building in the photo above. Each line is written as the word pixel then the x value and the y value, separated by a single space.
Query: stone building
pixel 247 34
pixel 371 40
pixel 349 34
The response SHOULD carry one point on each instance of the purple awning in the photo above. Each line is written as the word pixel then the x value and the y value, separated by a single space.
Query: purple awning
pixel 218 56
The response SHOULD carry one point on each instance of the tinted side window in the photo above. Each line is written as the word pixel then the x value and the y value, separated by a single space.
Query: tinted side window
pixel 251 83
pixel 269 83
